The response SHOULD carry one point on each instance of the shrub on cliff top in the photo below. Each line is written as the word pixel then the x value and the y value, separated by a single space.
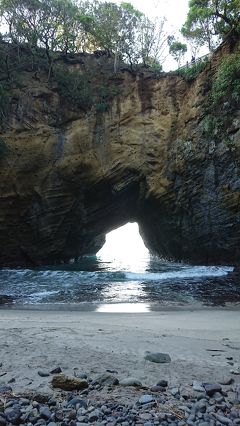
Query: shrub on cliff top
pixel 190 72
pixel 74 87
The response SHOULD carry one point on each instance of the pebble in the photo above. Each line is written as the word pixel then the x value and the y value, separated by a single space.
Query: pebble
pixel 145 399
pixel 42 373
pixel 80 375
pixel 77 402
pixel 13 414
pixel 93 416
pixel 56 370
pixel 174 391
pixel 175 406
pixel 130 381
pixel 45 412
pixel 224 420
pixel 157 389
pixel 163 383
pixel 211 389
pixel 198 386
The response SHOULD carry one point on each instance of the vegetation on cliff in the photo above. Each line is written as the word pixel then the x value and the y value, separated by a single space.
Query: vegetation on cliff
pixel 223 101
pixel 68 27
pixel 44 35
pixel 209 21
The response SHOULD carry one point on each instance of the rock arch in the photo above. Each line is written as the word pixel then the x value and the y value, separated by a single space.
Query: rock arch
pixel 64 186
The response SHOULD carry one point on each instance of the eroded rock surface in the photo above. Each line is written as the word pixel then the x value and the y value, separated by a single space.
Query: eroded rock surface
pixel 71 176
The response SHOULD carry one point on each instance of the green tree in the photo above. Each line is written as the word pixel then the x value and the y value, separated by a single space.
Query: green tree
pixel 114 28
pixel 178 49
pixel 209 21
pixel 49 24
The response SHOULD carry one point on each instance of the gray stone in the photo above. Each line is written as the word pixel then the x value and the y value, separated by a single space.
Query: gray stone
pixel 145 399
pixel 80 375
pixel 157 389
pixel 130 381
pixel 201 406
pixel 162 383
pixel 45 413
pixel 211 389
pixel 106 379
pixel 224 420
pixel 158 357
pixel 82 418
pixel 174 391
pixel 56 370
pixel 40 422
pixel 93 416
pixel 42 373
pixel 198 386
pixel 145 416
pixel 77 401
pixel 192 418
pixel 13 415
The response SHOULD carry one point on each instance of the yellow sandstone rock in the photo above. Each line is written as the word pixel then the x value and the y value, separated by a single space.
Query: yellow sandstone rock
pixel 68 383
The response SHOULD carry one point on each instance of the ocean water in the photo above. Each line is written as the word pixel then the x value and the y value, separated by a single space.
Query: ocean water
pixel 118 285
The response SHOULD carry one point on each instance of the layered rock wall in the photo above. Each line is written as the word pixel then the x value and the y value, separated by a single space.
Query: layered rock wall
pixel 70 176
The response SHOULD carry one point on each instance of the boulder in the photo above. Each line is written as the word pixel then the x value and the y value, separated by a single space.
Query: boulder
pixel 68 383
pixel 158 357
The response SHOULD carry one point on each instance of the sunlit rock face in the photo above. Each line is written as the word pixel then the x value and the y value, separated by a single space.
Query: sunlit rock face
pixel 71 176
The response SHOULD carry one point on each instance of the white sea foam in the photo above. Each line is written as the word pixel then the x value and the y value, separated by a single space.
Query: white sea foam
pixel 194 272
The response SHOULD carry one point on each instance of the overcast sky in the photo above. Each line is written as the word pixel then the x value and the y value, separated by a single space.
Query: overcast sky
pixel 175 12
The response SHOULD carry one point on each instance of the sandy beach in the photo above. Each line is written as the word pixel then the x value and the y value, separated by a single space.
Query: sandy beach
pixel 198 342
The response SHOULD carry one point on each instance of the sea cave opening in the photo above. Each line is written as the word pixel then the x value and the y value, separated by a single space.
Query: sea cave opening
pixel 125 245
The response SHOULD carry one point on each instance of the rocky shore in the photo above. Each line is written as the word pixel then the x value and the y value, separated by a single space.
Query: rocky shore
pixel 106 401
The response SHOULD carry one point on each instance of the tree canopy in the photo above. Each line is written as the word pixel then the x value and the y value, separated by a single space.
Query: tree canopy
pixel 208 21
pixel 89 25
pixel 178 50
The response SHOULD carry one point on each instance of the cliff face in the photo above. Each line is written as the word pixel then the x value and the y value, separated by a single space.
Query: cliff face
pixel 70 176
